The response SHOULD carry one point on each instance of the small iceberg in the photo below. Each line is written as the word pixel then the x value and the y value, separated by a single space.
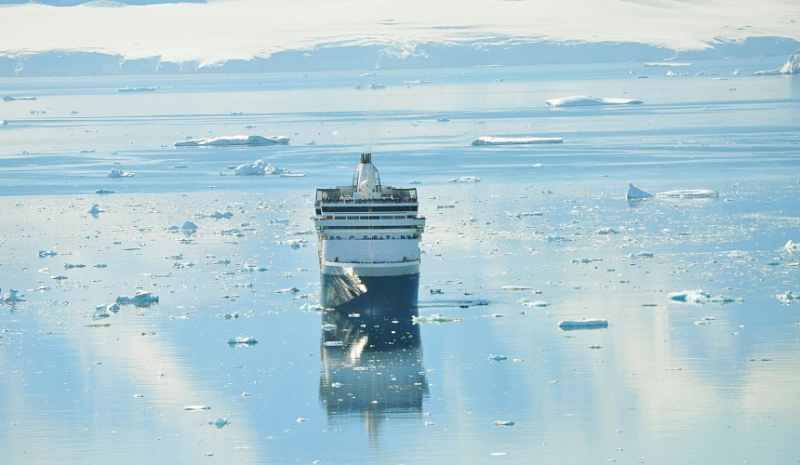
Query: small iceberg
pixel 139 299
pixel 788 298
pixel 636 193
pixel 490 140
pixel 11 297
pixel 95 210
pixel 583 101
pixel 225 141
pixel 188 226
pixel 197 407
pixel 117 173
pixel 242 341
pixel 257 168
pixel 591 323
pixel 692 296
pixel 792 246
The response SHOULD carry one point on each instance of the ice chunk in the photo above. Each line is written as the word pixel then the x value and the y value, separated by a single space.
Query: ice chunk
pixel 792 246
pixel 535 304
pixel 11 297
pixel 692 296
pixel 514 287
pixel 497 358
pixel 490 140
pixel 242 341
pixel 47 253
pixel 219 422
pixel 197 407
pixel 465 179
pixel 189 226
pixel 503 423
pixel 103 191
pixel 117 173
pixel 435 318
pixel 590 323
pixel 688 194
pixel 788 298
pixel 257 168
pixel 139 299
pixel 95 210
pixel 582 100
pixel 636 193
pixel 234 140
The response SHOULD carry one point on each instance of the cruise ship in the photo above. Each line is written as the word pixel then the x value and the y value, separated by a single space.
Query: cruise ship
pixel 368 243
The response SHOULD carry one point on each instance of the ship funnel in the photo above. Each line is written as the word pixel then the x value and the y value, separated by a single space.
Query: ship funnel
pixel 366 180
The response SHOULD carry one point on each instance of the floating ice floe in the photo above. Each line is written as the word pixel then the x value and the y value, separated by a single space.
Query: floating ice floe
pixel 139 299
pixel 491 140
pixel 590 323
pixel 117 173
pixel 103 191
pixel 435 318
pixel 234 140
pixel 792 246
pixel 497 358
pixel 11 297
pixel 515 287
pixel 504 423
pixel 257 168
pixel 688 194
pixel 701 297
pixel 188 226
pixel 242 341
pixel 535 303
pixel 792 66
pixel 217 215
pixel 583 100
pixel 197 407
pixel 47 253
pixel 465 179
pixel 634 193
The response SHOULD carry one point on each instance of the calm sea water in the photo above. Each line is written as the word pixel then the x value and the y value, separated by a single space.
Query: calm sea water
pixel 545 235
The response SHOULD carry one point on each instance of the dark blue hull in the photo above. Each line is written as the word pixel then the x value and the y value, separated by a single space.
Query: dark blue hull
pixel 375 293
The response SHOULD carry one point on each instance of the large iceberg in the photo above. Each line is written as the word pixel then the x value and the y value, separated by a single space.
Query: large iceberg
pixel 583 101
pixel 792 66
pixel 258 168
pixel 234 140
pixel 490 140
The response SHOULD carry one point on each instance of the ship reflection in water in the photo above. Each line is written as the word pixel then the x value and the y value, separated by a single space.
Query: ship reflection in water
pixel 373 366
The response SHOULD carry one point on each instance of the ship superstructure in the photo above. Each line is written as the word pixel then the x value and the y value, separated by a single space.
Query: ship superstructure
pixel 368 243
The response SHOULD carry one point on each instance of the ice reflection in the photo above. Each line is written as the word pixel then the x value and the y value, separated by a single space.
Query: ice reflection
pixel 373 366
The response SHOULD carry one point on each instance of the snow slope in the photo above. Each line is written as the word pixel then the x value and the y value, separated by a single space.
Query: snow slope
pixel 235 34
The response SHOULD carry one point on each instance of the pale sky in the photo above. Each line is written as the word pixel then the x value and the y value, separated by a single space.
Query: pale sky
pixel 229 29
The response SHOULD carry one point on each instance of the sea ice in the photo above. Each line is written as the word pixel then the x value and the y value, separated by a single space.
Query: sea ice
pixel 188 226
pixel 95 210
pixel 792 246
pixel 590 323
pixel 535 304
pixel 490 140
pixel 257 168
pixel 497 358
pixel 582 100
pixel 234 140
pixel 693 296
pixel 47 253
